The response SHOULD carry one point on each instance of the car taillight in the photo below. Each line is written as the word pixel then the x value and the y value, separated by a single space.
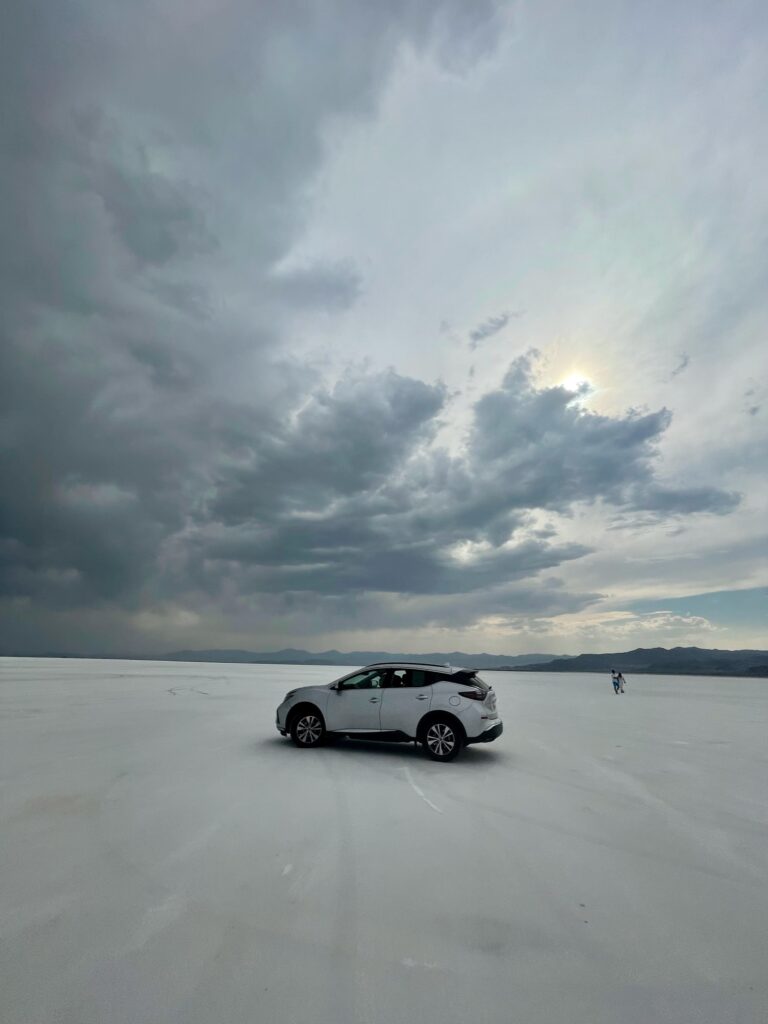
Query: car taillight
pixel 472 694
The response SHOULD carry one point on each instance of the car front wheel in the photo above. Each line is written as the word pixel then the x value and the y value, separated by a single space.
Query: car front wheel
pixel 307 729
pixel 442 740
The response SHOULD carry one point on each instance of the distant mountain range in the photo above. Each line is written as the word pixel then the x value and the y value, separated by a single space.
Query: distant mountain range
pixel 294 656
pixel 697 661
pixel 693 661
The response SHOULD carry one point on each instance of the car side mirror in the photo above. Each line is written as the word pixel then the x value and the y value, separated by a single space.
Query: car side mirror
pixel 336 687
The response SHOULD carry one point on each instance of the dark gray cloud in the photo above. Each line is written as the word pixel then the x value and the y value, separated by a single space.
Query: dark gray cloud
pixel 298 610
pixel 488 328
pixel 752 405
pixel 654 497
pixel 682 365
pixel 323 287
pixel 159 444
pixel 156 219
pixel 153 173
pixel 542 449
pixel 341 443
pixel 355 496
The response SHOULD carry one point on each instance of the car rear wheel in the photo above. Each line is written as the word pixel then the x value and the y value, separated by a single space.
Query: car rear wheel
pixel 307 729
pixel 442 740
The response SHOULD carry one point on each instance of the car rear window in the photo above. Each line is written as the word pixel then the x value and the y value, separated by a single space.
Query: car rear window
pixel 418 677
pixel 473 679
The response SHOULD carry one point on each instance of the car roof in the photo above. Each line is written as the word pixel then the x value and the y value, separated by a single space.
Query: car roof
pixel 447 669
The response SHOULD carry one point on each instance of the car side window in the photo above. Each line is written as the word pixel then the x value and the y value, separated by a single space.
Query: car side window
pixel 421 678
pixel 410 677
pixel 364 681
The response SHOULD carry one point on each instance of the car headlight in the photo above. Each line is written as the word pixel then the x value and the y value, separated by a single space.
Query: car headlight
pixel 288 695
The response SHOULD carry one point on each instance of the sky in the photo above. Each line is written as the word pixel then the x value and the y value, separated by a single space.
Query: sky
pixel 415 326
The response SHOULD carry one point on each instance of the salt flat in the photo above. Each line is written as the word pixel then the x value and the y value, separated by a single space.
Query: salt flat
pixel 167 857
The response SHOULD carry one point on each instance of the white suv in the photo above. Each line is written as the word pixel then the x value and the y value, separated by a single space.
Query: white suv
pixel 441 707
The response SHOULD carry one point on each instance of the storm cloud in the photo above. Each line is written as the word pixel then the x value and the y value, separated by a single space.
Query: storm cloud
pixel 173 438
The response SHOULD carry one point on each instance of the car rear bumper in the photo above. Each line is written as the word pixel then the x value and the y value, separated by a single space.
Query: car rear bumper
pixel 488 735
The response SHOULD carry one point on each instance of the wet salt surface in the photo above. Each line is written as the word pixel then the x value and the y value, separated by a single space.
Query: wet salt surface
pixel 166 857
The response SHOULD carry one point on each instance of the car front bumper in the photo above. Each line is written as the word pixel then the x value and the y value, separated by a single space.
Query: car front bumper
pixel 281 721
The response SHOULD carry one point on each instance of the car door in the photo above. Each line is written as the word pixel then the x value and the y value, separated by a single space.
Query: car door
pixel 355 705
pixel 407 696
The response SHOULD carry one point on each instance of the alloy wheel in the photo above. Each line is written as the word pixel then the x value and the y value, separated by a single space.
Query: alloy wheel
pixel 441 739
pixel 309 730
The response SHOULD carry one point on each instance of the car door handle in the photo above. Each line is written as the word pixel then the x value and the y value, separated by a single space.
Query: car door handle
pixel 422 696
pixel 374 700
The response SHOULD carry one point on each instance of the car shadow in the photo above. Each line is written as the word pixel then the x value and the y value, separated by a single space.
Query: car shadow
pixel 475 756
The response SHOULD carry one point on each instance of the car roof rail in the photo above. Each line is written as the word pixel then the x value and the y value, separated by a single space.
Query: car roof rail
pixel 400 661
pixel 422 664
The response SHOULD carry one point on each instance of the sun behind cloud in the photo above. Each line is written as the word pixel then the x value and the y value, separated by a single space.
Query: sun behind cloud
pixel 577 382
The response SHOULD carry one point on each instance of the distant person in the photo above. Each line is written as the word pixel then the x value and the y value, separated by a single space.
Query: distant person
pixel 622 682
pixel 615 680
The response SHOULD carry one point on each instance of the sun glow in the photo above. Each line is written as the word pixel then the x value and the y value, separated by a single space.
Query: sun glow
pixel 576 382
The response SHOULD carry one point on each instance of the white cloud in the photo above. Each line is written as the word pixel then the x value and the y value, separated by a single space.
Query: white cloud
pixel 600 630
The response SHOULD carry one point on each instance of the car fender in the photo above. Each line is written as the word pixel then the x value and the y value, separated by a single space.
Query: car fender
pixel 434 713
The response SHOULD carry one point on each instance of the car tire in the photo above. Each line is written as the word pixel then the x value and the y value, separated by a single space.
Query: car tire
pixel 308 728
pixel 442 739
